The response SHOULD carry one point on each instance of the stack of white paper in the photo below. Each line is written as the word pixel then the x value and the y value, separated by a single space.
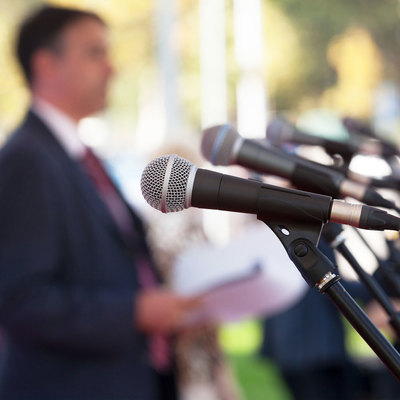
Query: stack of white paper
pixel 251 276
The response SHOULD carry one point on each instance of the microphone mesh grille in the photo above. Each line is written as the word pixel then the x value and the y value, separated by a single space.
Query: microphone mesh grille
pixel 154 176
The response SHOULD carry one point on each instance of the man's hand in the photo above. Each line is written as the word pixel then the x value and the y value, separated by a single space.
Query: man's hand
pixel 163 311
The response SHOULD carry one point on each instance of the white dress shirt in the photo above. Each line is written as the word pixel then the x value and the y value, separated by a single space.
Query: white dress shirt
pixel 64 128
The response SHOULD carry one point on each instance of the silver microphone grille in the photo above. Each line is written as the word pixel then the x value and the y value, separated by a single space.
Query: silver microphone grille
pixel 167 183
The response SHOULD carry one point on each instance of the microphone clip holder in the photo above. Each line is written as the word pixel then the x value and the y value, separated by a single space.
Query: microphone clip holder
pixel 300 239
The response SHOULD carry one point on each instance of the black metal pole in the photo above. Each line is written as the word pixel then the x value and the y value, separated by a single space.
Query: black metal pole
pixel 334 234
pixel 373 286
pixel 363 325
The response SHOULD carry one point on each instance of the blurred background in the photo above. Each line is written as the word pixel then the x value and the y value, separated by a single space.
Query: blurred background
pixel 183 65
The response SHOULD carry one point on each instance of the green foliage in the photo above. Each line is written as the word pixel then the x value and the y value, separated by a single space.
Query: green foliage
pixel 296 70
pixel 318 22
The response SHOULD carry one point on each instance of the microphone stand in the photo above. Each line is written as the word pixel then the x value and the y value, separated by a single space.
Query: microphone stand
pixel 333 233
pixel 299 237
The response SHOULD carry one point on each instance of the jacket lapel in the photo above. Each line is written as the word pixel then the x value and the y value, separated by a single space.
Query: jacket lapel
pixel 75 173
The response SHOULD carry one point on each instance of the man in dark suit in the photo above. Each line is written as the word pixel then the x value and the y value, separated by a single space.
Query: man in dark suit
pixel 82 313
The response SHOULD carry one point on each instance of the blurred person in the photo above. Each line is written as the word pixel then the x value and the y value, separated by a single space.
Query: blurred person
pixel 80 303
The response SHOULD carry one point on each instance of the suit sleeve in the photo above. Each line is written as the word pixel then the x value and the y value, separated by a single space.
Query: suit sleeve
pixel 35 304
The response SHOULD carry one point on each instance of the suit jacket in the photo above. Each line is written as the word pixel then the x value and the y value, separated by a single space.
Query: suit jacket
pixel 67 281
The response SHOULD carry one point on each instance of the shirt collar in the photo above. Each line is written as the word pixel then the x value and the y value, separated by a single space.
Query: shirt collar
pixel 63 127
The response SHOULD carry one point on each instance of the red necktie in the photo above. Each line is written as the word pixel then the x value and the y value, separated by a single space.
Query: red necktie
pixel 108 192
pixel 158 343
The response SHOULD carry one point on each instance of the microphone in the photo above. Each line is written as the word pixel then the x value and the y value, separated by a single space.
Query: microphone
pixel 280 131
pixel 171 183
pixel 355 126
pixel 358 126
pixel 222 145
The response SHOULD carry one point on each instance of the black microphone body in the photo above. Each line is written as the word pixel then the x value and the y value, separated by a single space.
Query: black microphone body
pixel 305 174
pixel 302 173
pixel 222 145
pixel 213 190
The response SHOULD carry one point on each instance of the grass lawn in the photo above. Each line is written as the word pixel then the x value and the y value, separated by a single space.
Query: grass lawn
pixel 257 378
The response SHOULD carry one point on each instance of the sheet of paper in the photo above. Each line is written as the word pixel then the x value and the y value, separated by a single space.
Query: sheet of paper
pixel 251 276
